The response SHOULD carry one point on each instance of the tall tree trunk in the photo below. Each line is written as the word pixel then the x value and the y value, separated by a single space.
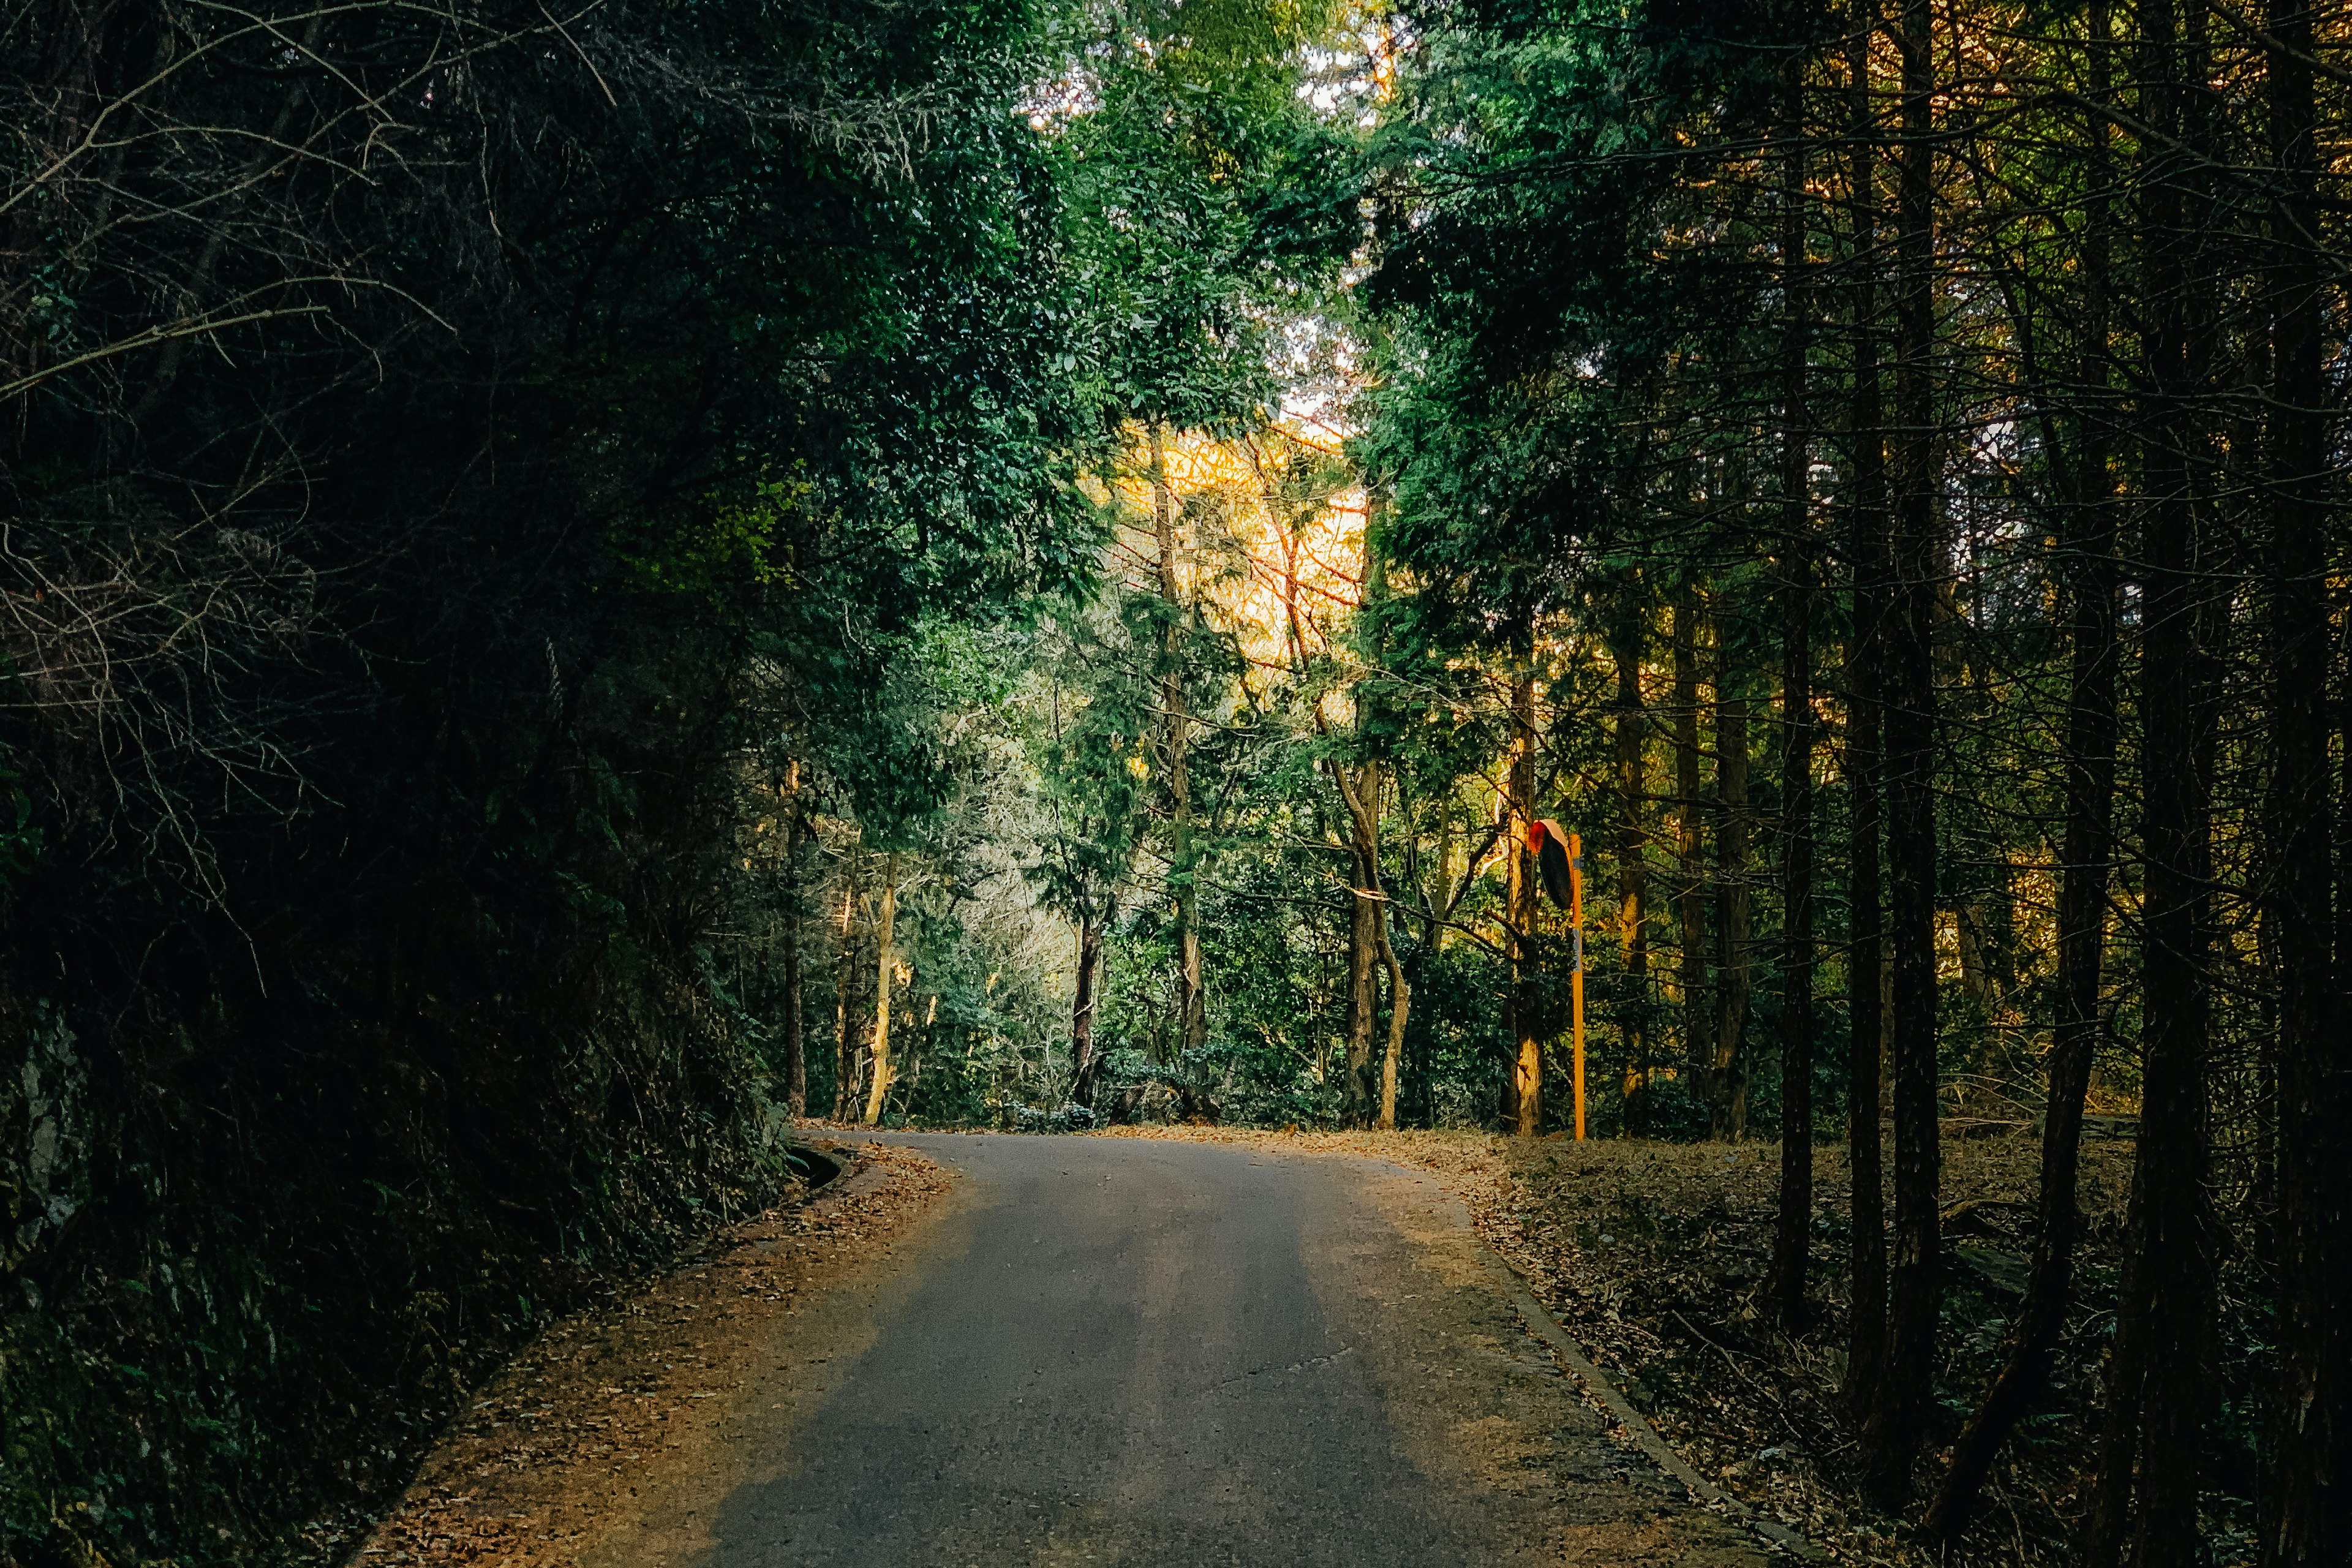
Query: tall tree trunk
pixel 1083 1064
pixel 1365 812
pixel 1507 1112
pixel 795 1028
pixel 886 959
pixel 2327 1419
pixel 2160 1383
pixel 1632 882
pixel 1898 1416
pixel 844 1076
pixel 1527 1007
pixel 2089 563
pixel 1690 840
pixel 1400 1014
pixel 1865 955
pixel 1792 1236
pixel 1734 902
pixel 2311 1434
pixel 1360 796
pixel 1183 870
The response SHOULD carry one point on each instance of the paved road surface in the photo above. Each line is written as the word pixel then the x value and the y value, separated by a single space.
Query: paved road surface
pixel 1133 1353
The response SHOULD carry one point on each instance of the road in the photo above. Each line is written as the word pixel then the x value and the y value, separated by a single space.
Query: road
pixel 1144 1352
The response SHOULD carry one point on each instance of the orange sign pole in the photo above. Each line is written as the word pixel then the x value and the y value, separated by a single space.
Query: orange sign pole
pixel 1576 969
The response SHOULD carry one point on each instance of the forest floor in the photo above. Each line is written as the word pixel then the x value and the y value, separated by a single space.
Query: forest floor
pixel 1654 1256
pixel 609 1398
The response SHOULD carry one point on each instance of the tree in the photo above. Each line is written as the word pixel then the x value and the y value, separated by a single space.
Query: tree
pixel 2312 1419
pixel 2089 850
pixel 1088 755
pixel 1793 1239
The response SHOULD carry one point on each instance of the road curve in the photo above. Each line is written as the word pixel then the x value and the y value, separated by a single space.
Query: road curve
pixel 1143 1352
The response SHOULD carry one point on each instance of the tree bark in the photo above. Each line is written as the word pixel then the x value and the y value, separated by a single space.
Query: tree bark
pixel 1734 903
pixel 1400 1012
pixel 795 1028
pixel 2089 565
pixel 1361 796
pixel 1892 1435
pixel 1632 881
pixel 1690 846
pixel 2311 1434
pixel 2160 1381
pixel 1793 1234
pixel 1527 1007
pixel 1364 932
pixel 1364 810
pixel 1868 523
pixel 886 959
pixel 1083 1064
pixel 844 1076
pixel 1184 870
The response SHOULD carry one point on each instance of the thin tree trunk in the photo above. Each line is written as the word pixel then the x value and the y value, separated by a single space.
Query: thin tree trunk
pixel 2310 1431
pixel 1792 1236
pixel 1527 1008
pixel 1632 883
pixel 1866 1328
pixel 2160 1384
pixel 2327 1419
pixel 845 1081
pixel 1363 933
pixel 1083 1064
pixel 1183 871
pixel 1735 951
pixel 1898 1416
pixel 1400 1012
pixel 2088 854
pixel 886 959
pixel 1365 810
pixel 795 1029
pixel 1361 796
pixel 1506 827
pixel 1690 846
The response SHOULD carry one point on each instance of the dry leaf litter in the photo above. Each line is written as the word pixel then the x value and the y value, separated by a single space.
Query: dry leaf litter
pixel 529 1476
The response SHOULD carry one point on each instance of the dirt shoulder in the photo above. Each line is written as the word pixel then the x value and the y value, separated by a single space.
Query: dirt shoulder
pixel 1653 1257
pixel 593 1422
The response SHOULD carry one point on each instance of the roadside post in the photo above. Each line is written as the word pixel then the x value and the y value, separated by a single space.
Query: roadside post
pixel 1576 967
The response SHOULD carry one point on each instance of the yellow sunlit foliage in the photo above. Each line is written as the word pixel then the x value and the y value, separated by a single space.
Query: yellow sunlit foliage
pixel 1269 536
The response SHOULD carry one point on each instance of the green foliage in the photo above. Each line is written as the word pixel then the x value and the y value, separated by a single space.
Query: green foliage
pixel 744 542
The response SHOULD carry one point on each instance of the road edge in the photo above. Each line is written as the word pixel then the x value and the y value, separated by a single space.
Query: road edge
pixel 476 1500
pixel 1547 1327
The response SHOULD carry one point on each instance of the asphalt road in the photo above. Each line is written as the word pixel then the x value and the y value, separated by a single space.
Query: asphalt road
pixel 1143 1352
